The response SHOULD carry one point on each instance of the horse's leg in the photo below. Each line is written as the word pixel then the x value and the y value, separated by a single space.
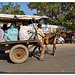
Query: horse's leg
pixel 46 46
pixel 54 49
pixel 54 46
pixel 39 49
pixel 34 50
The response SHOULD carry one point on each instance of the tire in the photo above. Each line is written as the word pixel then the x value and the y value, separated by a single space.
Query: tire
pixel 18 53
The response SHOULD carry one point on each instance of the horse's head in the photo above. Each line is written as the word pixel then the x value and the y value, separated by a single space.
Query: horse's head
pixel 60 32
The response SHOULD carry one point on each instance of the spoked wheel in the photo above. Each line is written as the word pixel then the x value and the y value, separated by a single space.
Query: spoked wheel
pixel 18 53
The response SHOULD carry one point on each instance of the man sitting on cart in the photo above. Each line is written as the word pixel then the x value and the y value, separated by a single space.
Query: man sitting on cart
pixel 2 37
pixel 24 32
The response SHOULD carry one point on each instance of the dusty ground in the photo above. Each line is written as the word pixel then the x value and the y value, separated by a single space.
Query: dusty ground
pixel 62 62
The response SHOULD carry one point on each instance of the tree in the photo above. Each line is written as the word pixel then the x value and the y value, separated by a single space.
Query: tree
pixel 62 13
pixel 46 8
pixel 69 18
pixel 11 9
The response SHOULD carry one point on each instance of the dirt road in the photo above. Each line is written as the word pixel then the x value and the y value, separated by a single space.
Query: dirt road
pixel 62 62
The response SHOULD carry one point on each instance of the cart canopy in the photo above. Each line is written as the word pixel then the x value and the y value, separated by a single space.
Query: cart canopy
pixel 9 17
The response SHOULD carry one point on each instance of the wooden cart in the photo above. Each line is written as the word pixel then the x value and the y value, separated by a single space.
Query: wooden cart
pixel 18 49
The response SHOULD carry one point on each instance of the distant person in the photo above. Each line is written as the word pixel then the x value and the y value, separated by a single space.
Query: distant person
pixel 12 33
pixel 24 32
pixel 72 36
pixel 2 37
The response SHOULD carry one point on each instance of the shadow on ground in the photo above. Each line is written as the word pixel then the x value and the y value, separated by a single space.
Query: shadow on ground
pixel 37 53
pixel 3 72
pixel 5 56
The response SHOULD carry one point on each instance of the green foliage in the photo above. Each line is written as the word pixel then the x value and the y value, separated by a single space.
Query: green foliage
pixel 11 9
pixel 62 13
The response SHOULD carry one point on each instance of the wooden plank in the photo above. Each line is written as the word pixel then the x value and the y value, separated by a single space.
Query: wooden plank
pixel 15 42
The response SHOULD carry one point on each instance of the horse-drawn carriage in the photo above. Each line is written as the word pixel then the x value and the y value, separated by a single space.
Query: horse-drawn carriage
pixel 19 49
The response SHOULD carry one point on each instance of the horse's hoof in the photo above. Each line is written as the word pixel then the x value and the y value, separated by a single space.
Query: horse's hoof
pixel 52 54
pixel 41 59
pixel 31 55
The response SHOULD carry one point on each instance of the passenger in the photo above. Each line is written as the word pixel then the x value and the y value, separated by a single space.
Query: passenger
pixel 12 33
pixel 2 37
pixel 40 35
pixel 5 28
pixel 24 32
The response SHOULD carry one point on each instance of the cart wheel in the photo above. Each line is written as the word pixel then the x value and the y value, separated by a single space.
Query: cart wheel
pixel 18 53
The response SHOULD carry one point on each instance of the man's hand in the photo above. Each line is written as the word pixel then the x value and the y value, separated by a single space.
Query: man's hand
pixel 31 31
